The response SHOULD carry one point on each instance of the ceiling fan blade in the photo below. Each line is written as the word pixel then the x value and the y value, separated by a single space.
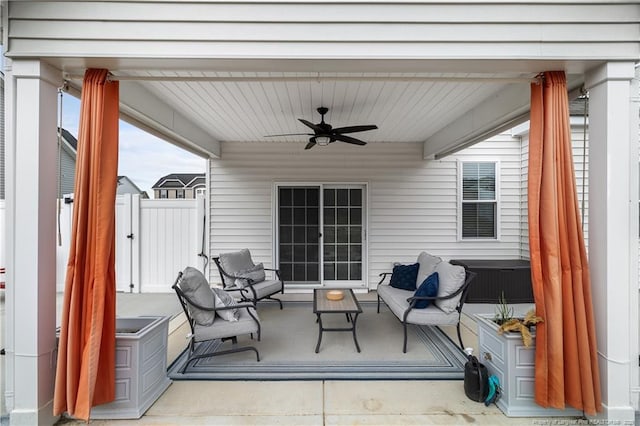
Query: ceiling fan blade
pixel 348 139
pixel 310 145
pixel 352 129
pixel 315 127
pixel 289 134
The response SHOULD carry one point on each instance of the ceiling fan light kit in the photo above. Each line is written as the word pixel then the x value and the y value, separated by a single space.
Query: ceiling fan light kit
pixel 322 140
pixel 323 133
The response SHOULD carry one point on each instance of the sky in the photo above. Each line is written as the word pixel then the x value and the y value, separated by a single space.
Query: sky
pixel 142 157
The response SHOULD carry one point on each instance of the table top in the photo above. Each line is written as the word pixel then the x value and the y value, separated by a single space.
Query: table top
pixel 321 305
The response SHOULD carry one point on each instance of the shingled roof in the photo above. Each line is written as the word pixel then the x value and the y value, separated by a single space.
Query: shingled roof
pixel 180 180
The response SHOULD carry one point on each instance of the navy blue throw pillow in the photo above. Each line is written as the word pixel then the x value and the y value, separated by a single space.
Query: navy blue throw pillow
pixel 404 276
pixel 428 288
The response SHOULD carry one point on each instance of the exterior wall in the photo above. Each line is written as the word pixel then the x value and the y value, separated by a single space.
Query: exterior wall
pixel 412 203
pixel 67 172
pixel 580 144
pixel 127 187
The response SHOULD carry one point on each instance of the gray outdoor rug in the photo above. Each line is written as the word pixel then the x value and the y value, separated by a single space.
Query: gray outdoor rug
pixel 287 350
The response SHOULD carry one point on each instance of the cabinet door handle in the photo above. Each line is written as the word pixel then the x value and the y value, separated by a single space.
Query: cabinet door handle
pixel 487 356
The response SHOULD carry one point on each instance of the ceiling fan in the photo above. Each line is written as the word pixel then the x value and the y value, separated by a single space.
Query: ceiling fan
pixel 323 134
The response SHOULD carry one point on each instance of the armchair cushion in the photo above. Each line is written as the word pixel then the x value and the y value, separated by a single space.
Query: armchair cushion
pixel 451 278
pixel 428 288
pixel 245 324
pixel 255 273
pixel 234 262
pixel 224 299
pixel 195 286
pixel 428 264
pixel 404 276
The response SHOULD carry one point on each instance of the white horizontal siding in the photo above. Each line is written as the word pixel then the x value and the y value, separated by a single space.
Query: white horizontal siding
pixel 580 152
pixel 412 203
pixel 239 28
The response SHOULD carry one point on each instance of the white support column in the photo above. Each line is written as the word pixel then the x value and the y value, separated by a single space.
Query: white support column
pixel 30 298
pixel 613 231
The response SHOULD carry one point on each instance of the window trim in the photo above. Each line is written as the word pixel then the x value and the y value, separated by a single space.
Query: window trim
pixel 497 201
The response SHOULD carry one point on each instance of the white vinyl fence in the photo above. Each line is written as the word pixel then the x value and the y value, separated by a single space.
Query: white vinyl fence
pixel 154 240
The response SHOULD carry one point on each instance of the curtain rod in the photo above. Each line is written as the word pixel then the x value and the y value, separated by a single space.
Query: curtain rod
pixel 316 78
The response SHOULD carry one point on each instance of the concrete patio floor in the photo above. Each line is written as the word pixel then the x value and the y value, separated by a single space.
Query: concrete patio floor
pixel 306 402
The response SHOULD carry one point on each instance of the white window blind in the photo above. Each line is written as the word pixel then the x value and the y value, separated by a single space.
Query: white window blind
pixel 479 200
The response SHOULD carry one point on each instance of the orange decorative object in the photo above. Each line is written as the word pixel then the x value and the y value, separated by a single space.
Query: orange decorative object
pixel 335 295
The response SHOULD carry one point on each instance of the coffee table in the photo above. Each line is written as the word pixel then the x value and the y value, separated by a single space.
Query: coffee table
pixel 348 305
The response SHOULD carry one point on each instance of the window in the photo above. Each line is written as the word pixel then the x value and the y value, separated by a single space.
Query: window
pixel 179 193
pixel 163 193
pixel 479 200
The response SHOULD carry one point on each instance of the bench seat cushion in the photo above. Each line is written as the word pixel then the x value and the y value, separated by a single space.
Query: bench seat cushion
pixel 396 300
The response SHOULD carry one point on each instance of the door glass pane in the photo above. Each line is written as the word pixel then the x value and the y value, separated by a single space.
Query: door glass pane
pixel 286 234
pixel 329 197
pixel 342 216
pixel 329 216
pixel 312 253
pixel 355 216
pixel 329 271
pixel 286 215
pixel 299 237
pixel 342 236
pixel 355 234
pixel 355 253
pixel 329 234
pixel 342 253
pixel 286 197
pixel 342 271
pixel 342 197
pixel 312 272
pixel 355 271
pixel 355 197
pixel 329 252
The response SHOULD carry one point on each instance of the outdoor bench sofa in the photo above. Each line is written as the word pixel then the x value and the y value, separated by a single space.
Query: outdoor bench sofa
pixel 444 308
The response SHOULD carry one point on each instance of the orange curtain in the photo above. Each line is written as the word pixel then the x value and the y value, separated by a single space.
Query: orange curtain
pixel 85 373
pixel 566 361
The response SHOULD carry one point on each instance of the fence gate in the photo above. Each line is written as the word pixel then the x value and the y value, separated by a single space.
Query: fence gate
pixel 154 240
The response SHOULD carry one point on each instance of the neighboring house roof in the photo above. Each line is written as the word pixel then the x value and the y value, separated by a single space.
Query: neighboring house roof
pixel 180 180
pixel 70 139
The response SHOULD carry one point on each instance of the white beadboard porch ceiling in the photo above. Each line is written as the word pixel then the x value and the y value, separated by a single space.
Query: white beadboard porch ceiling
pixel 246 106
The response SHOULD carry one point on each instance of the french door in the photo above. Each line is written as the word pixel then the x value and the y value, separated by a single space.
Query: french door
pixel 321 234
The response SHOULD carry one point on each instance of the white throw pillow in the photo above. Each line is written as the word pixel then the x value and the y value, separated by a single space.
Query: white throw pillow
pixel 223 298
pixel 428 265
pixel 451 279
